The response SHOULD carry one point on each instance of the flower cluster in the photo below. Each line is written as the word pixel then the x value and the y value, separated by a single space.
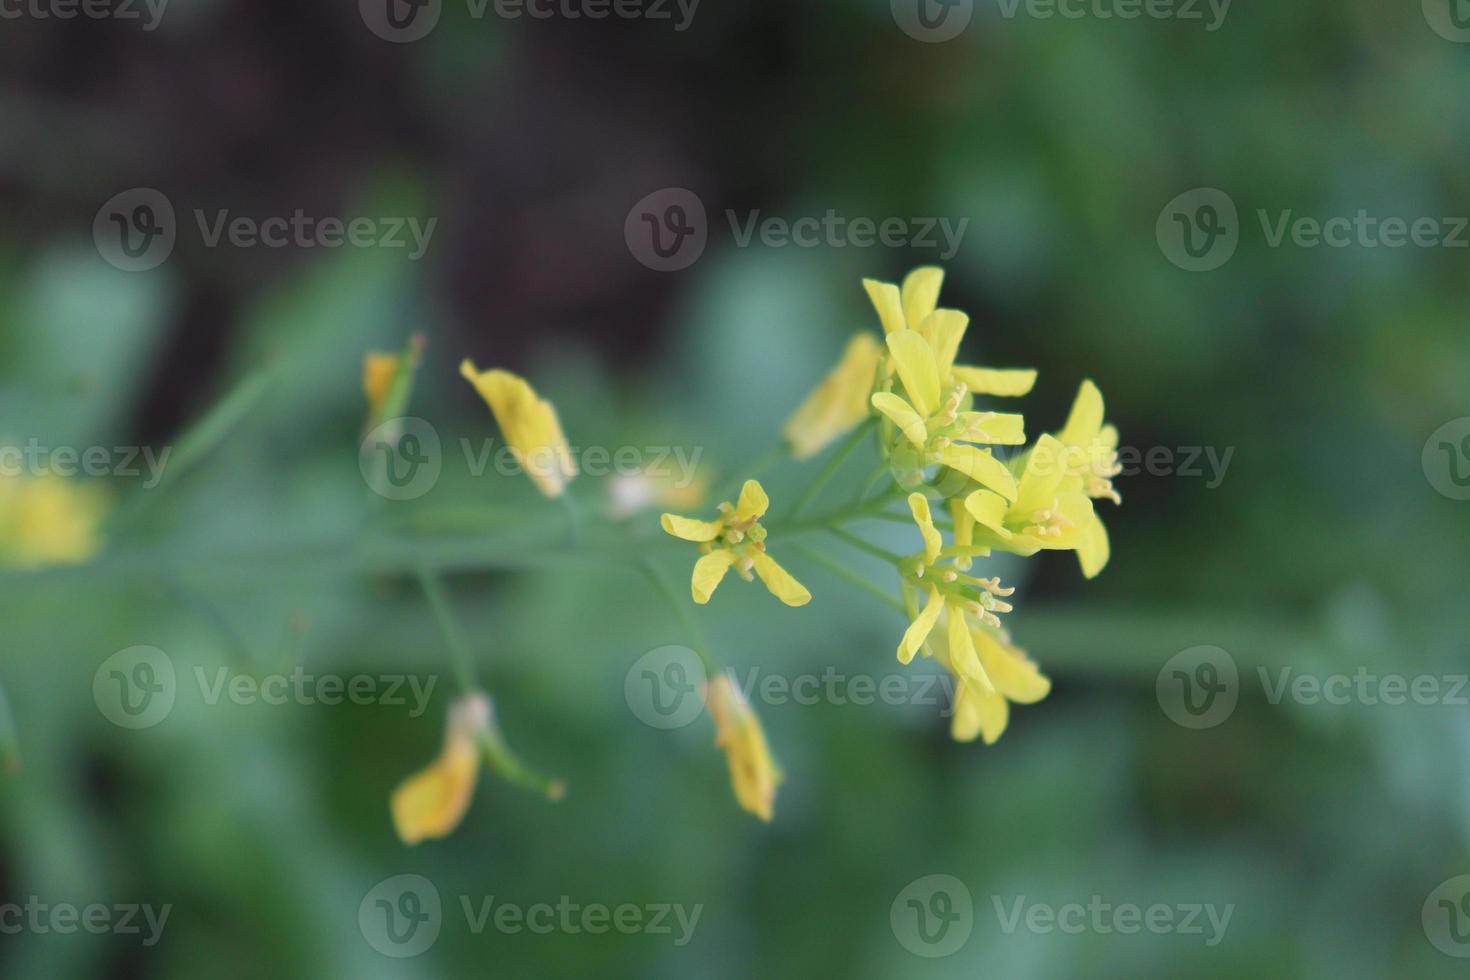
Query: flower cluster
pixel 950 463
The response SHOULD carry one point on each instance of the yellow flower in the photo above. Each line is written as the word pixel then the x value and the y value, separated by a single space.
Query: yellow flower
pixel 1058 479
pixel 49 520
pixel 947 593
pixel 529 424
pixel 736 539
pixel 984 713
pixel 754 774
pixel 915 307
pixel 387 380
pixel 432 802
pixel 839 403
pixel 934 424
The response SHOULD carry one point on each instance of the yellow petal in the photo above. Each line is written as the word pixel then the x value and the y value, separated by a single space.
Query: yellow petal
pixel 780 581
pixel 432 802
pixel 1084 423
pixel 989 510
pixel 921 293
pixel 753 502
pixel 995 428
pixel 944 329
pixel 902 415
pixel 980 466
pixel 839 403
pixel 530 426
pixel 1041 481
pixel 914 359
pixel 709 572
pixel 886 301
pixel 921 627
pixel 1092 545
pixel 754 774
pixel 933 542
pixel 1012 673
pixel 997 382
pixel 690 529
pixel 962 651
pixel 378 370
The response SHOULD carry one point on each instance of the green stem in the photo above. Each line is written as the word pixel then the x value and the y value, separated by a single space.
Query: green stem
pixel 851 577
pixel 454 638
pixel 660 580
pixel 833 465
pixel 870 483
pixel 862 545
pixel 9 740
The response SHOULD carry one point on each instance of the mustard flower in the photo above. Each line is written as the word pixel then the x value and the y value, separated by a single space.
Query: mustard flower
pixel 529 424
pixel 839 403
pixel 754 774
pixel 736 540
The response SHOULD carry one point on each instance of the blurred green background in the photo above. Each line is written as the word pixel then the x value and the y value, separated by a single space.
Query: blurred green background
pixel 1325 548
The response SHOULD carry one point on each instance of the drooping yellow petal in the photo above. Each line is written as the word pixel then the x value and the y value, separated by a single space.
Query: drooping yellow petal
pixel 902 415
pixel 978 713
pixel 1010 670
pixel 921 627
pixel 921 293
pixel 781 583
pixel 914 359
pixel 754 774
pixel 753 502
pixel 996 382
pixel 839 403
pixel 689 529
pixel 933 542
pixel 887 302
pixel 982 467
pixel 1084 422
pixel 432 802
pixel 1041 480
pixel 709 572
pixel 964 530
pixel 378 371
pixel 962 651
pixel 530 426
pixel 1093 549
